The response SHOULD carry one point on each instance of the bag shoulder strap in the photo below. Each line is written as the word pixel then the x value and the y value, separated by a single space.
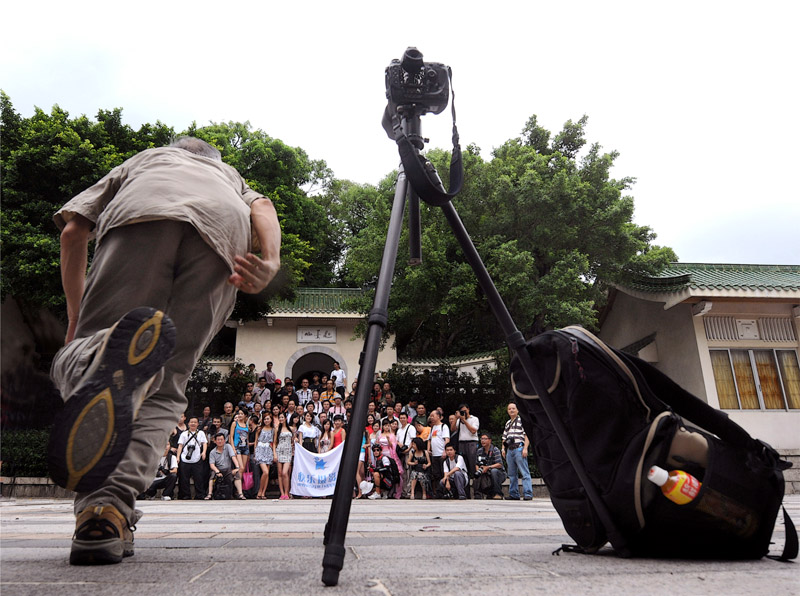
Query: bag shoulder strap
pixel 653 381
pixel 790 546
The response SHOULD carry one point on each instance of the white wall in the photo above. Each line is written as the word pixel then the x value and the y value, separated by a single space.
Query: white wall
pixel 258 343
pixel 632 319
pixel 683 354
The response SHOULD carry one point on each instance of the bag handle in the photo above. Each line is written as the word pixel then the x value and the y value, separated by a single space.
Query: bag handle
pixel 676 397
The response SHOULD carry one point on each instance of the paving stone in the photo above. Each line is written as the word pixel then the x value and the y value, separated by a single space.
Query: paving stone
pixel 394 548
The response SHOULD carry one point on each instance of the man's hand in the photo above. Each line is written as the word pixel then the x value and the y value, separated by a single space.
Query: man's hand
pixel 252 274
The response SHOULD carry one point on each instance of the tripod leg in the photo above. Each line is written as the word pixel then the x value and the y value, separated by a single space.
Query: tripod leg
pixel 336 528
pixel 414 229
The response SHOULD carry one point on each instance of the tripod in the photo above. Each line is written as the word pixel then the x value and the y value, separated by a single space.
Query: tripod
pixel 336 528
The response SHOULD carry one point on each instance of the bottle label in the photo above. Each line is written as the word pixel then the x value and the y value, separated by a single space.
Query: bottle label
pixel 684 490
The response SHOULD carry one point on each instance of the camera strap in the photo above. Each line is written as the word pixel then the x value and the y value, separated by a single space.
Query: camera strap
pixel 422 174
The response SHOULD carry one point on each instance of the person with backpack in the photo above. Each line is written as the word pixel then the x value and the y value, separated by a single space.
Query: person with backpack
pixel 455 473
pixel 387 439
pixel 166 477
pixel 192 446
pixel 385 474
pixel 464 434
pixel 515 452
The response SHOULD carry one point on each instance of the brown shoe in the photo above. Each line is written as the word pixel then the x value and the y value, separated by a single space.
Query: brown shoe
pixel 102 536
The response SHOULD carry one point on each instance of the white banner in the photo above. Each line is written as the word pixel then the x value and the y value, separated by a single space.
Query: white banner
pixel 315 474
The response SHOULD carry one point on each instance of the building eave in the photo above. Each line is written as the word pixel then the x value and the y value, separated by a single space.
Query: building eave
pixel 690 295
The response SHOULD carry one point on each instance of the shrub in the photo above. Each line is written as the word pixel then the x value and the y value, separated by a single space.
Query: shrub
pixel 24 452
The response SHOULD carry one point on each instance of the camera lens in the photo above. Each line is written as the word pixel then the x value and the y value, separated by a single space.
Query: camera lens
pixel 412 60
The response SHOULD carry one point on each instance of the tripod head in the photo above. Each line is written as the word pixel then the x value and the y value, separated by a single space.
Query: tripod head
pixel 414 88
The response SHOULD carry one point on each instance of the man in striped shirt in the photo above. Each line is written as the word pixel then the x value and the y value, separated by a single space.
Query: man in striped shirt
pixel 515 451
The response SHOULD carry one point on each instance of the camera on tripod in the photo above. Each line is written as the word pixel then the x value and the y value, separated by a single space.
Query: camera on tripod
pixel 412 82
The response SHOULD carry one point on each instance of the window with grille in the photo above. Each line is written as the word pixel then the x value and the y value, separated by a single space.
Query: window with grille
pixel 757 379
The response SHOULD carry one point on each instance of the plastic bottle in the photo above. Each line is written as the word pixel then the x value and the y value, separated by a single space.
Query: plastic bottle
pixel 682 488
pixel 678 486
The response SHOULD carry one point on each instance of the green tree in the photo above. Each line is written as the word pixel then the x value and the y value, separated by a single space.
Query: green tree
pixel 46 160
pixel 49 158
pixel 553 230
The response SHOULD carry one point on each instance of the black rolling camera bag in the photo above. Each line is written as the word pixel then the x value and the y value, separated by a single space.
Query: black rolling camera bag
pixel 623 416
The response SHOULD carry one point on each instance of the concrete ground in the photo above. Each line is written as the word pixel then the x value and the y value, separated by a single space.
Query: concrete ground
pixel 393 548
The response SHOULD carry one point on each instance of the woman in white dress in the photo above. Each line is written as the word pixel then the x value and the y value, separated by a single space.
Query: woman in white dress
pixel 265 452
pixel 284 447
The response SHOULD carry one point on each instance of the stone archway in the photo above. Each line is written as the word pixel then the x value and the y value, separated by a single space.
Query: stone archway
pixel 314 357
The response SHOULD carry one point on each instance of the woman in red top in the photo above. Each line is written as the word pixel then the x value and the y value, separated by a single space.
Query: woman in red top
pixel 339 433
pixel 370 422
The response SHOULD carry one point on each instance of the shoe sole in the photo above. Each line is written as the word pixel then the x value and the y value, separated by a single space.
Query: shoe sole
pixel 95 428
pixel 99 552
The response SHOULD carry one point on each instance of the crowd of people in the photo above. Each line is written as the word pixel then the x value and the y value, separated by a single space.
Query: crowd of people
pixel 406 450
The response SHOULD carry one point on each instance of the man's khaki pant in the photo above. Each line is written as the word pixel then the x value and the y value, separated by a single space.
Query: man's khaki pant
pixel 166 265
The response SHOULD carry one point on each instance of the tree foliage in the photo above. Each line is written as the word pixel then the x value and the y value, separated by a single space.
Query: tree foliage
pixel 49 158
pixel 554 229
pixel 46 160
pixel 551 224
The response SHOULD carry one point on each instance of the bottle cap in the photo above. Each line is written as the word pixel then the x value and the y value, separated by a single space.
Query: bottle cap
pixel 658 476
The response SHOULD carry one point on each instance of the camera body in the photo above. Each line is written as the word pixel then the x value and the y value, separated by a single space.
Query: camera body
pixel 410 81
pixel 483 461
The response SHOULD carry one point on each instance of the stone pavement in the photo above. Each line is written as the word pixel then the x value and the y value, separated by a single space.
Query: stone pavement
pixel 394 548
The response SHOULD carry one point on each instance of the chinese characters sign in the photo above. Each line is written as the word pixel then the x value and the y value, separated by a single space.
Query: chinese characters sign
pixel 316 335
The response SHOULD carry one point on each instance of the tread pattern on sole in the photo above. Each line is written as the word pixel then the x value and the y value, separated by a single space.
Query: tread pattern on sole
pixel 95 427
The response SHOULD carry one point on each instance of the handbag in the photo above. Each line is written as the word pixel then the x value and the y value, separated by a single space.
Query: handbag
pixel 247 477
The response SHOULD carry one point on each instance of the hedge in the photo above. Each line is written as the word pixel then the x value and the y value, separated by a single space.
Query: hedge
pixel 24 452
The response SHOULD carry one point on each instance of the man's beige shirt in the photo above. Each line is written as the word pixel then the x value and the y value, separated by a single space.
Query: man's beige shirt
pixel 174 184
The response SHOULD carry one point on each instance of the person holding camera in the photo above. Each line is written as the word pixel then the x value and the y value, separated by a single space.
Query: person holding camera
pixel 465 427
pixel 489 472
pixel 224 466
pixel 515 450
pixel 166 477
pixel 192 446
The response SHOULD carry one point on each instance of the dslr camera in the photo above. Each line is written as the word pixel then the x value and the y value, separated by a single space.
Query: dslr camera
pixel 483 460
pixel 411 81
pixel 510 444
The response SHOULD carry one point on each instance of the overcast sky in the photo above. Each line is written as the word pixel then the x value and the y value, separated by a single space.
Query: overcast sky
pixel 699 98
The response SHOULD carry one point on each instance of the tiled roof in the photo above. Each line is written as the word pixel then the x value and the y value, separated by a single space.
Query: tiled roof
pixel 707 276
pixel 449 361
pixel 318 301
